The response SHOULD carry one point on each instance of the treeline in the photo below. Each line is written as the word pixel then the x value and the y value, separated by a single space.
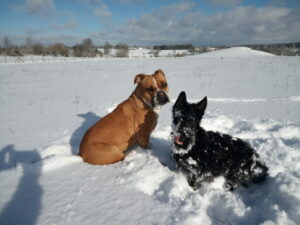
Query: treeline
pixel 290 49
pixel 174 47
pixel 84 49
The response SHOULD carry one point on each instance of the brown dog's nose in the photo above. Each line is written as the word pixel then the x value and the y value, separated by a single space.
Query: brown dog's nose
pixel 161 94
pixel 162 97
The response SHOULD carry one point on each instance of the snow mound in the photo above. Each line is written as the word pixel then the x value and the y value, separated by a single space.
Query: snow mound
pixel 274 201
pixel 47 107
pixel 235 52
pixel 149 177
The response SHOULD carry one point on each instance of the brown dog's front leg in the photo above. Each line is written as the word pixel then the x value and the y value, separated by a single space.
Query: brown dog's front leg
pixel 143 141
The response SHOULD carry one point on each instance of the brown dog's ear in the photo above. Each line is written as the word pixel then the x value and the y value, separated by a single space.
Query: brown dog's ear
pixel 160 71
pixel 139 78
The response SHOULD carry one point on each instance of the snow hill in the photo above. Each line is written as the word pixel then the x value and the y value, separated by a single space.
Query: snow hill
pixel 47 107
pixel 236 52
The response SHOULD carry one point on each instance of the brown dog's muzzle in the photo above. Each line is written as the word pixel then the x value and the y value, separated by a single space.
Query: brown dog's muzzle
pixel 161 98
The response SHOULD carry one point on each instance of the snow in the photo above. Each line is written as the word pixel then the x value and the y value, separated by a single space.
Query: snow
pixel 133 53
pixel 236 52
pixel 47 107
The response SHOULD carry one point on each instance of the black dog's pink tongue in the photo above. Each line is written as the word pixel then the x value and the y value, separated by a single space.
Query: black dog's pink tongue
pixel 177 140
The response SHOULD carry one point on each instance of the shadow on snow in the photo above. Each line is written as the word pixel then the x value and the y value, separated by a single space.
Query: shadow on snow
pixel 90 118
pixel 26 203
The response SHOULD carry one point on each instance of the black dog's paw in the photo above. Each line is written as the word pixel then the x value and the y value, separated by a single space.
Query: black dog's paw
pixel 196 185
pixel 230 185
pixel 194 181
pixel 259 172
pixel 191 179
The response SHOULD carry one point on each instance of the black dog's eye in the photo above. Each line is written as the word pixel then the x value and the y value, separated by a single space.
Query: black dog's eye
pixel 175 120
pixel 150 89
pixel 189 120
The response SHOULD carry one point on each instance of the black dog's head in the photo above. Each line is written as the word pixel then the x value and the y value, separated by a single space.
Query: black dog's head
pixel 186 121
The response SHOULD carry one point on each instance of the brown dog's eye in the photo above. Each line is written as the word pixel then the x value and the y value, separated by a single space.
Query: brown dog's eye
pixel 150 89
pixel 163 85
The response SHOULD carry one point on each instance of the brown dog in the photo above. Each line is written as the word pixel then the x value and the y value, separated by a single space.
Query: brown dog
pixel 130 123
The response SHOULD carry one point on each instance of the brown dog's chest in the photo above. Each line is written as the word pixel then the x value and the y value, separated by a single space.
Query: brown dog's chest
pixel 144 124
pixel 146 121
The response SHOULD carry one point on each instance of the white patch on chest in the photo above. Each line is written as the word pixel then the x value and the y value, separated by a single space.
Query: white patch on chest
pixel 191 161
pixel 157 109
pixel 181 151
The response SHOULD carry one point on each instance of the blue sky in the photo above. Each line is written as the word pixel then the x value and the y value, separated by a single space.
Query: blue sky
pixel 146 22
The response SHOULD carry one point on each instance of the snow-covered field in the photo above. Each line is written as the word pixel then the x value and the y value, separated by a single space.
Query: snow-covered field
pixel 133 53
pixel 46 108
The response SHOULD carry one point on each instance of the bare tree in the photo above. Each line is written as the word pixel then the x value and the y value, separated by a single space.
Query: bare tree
pixel 122 50
pixel 7 42
pixel 38 49
pixel 86 49
pixel 29 46
pixel 88 43
pixel 78 50
pixel 59 49
pixel 28 42
pixel 155 52
pixel 107 48
pixel 10 49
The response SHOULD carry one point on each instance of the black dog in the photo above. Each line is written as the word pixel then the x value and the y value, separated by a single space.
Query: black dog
pixel 203 155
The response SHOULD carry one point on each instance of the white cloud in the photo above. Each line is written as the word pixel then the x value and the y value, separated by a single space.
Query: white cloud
pixel 176 8
pixel 103 36
pixel 44 39
pixel 242 25
pixel 32 31
pixel 102 11
pixel 39 7
pixel 66 26
pixel 52 39
pixel 223 2
pixel 88 1
pixel 282 3
pixel 183 23
pixel 132 1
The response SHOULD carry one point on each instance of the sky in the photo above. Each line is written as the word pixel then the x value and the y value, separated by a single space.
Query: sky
pixel 148 22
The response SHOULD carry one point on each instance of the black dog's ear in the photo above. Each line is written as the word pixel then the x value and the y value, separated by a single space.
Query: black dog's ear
pixel 180 102
pixel 201 106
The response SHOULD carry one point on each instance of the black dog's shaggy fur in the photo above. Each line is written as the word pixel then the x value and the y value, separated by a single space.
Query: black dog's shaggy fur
pixel 203 155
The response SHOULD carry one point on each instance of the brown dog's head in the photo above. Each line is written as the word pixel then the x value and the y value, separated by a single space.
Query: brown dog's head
pixel 152 89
